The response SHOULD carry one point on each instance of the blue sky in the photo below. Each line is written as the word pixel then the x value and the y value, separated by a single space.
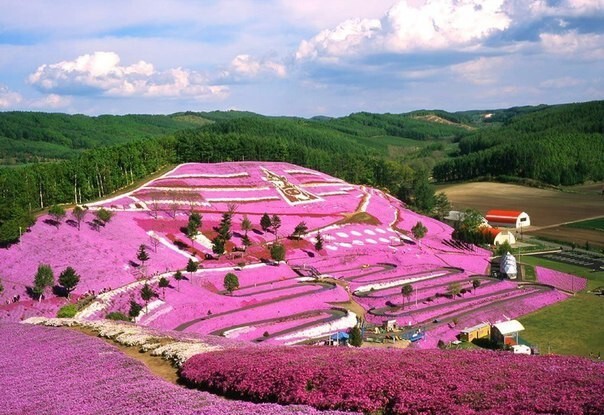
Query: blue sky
pixel 304 58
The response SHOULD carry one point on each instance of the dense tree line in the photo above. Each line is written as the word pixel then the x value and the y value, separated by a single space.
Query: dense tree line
pixel 556 145
pixel 35 136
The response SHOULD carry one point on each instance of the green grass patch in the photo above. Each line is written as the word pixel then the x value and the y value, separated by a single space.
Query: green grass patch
pixel 592 224
pixel 529 273
pixel 572 327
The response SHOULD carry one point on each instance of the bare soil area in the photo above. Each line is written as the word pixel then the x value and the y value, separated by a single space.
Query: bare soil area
pixel 578 236
pixel 545 207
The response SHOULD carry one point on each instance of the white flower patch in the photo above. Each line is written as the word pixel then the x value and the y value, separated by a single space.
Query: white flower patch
pixel 395 283
pixel 234 333
pixel 356 233
pixel 357 242
pixel 294 171
pixel 332 248
pixel 157 315
pixel 369 232
pixel 205 176
pixel 135 339
pixel 334 193
pixel 153 305
pixel 168 244
pixel 380 230
pixel 342 234
pixel 384 240
pixel 371 241
pixel 242 199
pixel 345 245
pixel 350 320
pixel 179 352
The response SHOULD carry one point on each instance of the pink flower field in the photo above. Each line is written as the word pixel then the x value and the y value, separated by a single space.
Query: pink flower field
pixel 368 254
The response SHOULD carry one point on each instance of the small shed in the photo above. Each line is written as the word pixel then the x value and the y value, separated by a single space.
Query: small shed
pixel 508 266
pixel 508 218
pixel 338 337
pixel 478 331
pixel 389 325
pixel 499 236
pixel 505 333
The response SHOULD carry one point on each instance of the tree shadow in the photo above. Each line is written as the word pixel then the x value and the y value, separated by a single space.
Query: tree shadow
pixel 52 222
pixel 310 254
pixel 96 224
pixel 60 291
pixel 257 232
pixel 237 235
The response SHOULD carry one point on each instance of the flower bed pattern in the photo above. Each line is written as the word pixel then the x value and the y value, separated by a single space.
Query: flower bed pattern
pixel 560 280
pixel 405 382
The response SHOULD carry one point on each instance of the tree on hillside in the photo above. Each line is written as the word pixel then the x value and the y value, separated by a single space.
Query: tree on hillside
pixel 300 230
pixel 147 294
pixel 319 243
pixel 442 206
pixel 406 291
pixel 135 309
pixel 192 266
pixel 224 233
pixel 163 283
pixel 265 222
pixel 104 215
pixel 218 245
pixel 79 214
pixel 419 230
pixel 454 289
pixel 246 225
pixel 275 224
pixel 231 282
pixel 143 257
pixel 193 226
pixel 43 279
pixel 69 279
pixel 475 284
pixel 58 213
pixel 356 339
pixel 278 252
pixel 179 277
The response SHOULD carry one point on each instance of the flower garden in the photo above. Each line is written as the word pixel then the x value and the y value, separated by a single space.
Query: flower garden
pixel 368 254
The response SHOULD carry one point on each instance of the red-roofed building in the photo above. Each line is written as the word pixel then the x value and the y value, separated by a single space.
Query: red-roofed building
pixel 508 218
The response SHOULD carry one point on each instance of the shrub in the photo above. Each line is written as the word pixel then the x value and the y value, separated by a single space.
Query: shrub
pixel 116 315
pixel 135 309
pixel 67 311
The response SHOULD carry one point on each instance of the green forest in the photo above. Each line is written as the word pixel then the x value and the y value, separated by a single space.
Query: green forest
pixel 67 159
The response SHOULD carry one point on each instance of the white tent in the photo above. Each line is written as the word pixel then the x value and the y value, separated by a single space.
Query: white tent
pixel 507 266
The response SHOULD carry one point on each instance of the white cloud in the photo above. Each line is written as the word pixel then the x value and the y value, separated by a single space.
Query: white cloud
pixel 102 73
pixel 565 7
pixel 426 25
pixel 51 101
pixel 8 98
pixel 574 45
pixel 481 71
pixel 563 82
pixel 247 66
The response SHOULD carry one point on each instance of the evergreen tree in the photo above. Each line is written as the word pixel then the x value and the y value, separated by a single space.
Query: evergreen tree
pixel 231 282
pixel 147 294
pixel 355 339
pixel 43 279
pixel 193 226
pixel 179 277
pixel 319 243
pixel 265 222
pixel 192 266
pixel 475 284
pixel 135 309
pixel 143 257
pixel 300 230
pixel 278 252
pixel 163 283
pixel 419 230
pixel 69 279
pixel 104 215
pixel 406 291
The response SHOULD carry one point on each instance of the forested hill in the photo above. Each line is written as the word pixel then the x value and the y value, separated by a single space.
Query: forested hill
pixel 34 136
pixel 562 144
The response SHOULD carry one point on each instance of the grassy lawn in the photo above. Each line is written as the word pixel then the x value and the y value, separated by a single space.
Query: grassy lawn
pixel 595 224
pixel 573 326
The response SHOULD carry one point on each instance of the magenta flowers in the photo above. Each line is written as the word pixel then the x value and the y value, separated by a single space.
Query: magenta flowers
pixel 404 382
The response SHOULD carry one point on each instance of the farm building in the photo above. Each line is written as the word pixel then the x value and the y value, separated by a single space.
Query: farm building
pixel 499 236
pixel 508 267
pixel 457 216
pixel 478 331
pixel 505 333
pixel 508 218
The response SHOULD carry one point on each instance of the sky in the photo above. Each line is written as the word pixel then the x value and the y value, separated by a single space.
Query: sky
pixel 298 57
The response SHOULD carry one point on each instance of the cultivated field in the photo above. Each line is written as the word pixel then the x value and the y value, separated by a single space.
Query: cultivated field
pixel 545 207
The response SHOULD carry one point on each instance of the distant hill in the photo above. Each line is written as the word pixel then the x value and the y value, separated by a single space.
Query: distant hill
pixel 560 144
pixel 35 136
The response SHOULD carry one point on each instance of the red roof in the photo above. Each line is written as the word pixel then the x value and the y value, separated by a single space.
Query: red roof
pixel 503 216
pixel 492 232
